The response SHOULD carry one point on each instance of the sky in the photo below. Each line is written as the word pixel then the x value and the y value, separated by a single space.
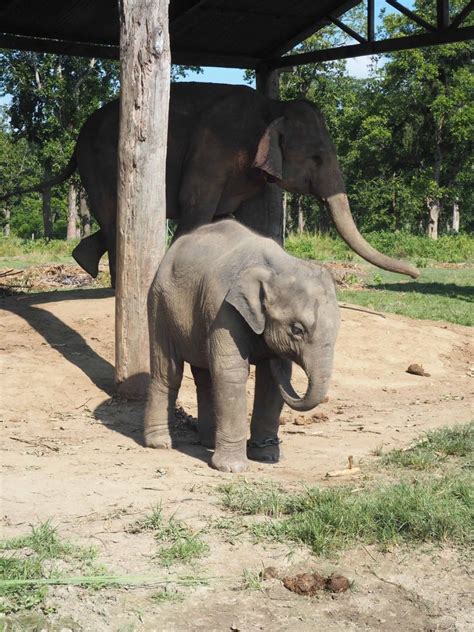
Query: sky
pixel 356 67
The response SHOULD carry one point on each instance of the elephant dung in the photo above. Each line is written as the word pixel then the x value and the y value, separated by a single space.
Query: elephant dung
pixel 309 584
pixel 417 369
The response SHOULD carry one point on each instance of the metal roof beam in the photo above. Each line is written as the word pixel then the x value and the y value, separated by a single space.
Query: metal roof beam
pixel 409 14
pixel 462 15
pixel 446 36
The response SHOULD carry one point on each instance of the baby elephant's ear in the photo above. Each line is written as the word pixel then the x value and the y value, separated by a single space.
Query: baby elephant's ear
pixel 247 296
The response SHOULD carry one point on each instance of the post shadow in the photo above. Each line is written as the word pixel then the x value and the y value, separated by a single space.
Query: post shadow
pixel 117 414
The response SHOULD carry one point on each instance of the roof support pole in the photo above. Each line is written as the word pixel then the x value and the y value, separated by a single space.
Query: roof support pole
pixel 264 213
pixel 141 221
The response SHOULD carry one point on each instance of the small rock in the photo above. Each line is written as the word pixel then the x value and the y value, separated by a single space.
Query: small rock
pixel 337 583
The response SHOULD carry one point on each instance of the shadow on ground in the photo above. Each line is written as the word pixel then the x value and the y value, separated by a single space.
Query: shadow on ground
pixel 451 290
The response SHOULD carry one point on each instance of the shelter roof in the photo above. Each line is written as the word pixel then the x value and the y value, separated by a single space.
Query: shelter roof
pixel 234 33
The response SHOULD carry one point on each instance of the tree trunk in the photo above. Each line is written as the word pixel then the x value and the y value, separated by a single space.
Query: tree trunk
pixel 434 203
pixel 71 212
pixel 6 226
pixel 84 215
pixel 456 216
pixel 300 215
pixel 47 216
pixel 141 222
pixel 434 208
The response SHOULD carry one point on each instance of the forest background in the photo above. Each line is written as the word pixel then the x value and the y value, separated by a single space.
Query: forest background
pixel 404 135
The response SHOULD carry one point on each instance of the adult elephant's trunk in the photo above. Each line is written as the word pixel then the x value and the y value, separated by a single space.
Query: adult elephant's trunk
pixel 342 216
pixel 318 381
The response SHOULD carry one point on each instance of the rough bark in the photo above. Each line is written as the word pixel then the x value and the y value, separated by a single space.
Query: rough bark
pixel 434 209
pixel 46 208
pixel 299 207
pixel 141 222
pixel 434 202
pixel 72 232
pixel 264 213
pixel 84 215
pixel 6 221
pixel 456 216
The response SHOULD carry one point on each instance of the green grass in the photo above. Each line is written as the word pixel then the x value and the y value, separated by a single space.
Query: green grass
pixel 438 508
pixel 178 543
pixel 419 248
pixel 252 580
pixel 435 448
pixel 23 253
pixel 438 294
pixel 35 558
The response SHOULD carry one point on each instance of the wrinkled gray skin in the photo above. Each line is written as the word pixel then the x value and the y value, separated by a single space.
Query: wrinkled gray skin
pixel 224 298
pixel 224 144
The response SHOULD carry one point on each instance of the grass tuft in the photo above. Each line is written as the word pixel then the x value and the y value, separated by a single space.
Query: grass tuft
pixel 434 448
pixel 179 542
pixel 32 561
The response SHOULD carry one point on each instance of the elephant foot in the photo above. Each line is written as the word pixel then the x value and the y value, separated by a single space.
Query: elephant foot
pixel 265 451
pixel 225 462
pixel 158 439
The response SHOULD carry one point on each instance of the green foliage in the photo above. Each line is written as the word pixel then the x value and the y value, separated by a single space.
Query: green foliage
pixel 435 509
pixel 400 244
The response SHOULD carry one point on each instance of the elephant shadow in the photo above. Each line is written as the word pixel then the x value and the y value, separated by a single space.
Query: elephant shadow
pixel 116 414
pixel 450 290
pixel 126 418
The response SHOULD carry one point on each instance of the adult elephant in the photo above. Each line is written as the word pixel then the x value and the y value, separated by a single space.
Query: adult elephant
pixel 224 144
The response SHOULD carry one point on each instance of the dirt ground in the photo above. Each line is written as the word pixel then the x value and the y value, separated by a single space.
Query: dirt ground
pixel 74 455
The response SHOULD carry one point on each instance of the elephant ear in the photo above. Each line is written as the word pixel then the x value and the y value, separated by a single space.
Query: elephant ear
pixel 247 296
pixel 269 157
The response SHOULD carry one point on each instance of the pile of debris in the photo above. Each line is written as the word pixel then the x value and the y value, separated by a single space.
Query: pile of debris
pixel 347 275
pixel 49 277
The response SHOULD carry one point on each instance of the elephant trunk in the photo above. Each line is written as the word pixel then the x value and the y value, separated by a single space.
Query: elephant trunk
pixel 318 381
pixel 342 216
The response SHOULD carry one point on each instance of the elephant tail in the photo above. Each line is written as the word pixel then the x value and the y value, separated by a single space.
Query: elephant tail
pixel 47 184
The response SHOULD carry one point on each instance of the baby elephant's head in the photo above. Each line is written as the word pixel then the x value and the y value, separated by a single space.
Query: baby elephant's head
pixel 297 314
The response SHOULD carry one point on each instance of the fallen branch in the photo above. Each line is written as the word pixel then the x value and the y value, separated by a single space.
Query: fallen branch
pixel 361 309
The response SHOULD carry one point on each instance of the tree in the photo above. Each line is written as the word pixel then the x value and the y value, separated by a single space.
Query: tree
pixel 429 96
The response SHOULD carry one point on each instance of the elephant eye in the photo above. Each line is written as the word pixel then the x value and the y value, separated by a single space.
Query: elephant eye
pixel 316 159
pixel 297 330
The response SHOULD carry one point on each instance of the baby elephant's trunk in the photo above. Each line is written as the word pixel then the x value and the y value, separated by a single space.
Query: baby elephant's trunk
pixel 318 382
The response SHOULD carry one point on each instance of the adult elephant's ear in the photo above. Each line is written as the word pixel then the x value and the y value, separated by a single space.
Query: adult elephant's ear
pixel 269 157
pixel 248 293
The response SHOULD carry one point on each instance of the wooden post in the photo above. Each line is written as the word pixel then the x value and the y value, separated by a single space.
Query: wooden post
pixel 141 221
pixel 264 213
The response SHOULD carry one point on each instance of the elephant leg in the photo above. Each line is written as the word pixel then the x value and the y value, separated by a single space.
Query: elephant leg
pixel 89 251
pixel 112 250
pixel 230 403
pixel 206 417
pixel 264 444
pixel 166 375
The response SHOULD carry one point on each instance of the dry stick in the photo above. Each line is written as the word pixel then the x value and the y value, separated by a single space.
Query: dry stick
pixel 10 272
pixel 361 309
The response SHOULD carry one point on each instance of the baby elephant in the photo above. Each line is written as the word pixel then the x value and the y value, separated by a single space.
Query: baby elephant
pixel 224 298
